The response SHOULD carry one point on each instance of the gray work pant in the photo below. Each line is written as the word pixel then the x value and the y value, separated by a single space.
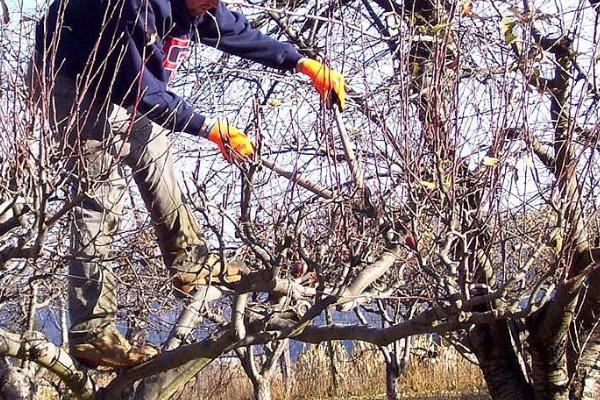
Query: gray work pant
pixel 100 138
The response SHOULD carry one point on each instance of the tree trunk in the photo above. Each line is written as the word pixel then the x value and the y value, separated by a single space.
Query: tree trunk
pixel 262 388
pixel 335 373
pixel 392 373
pixel 331 352
pixel 586 379
pixel 396 361
pixel 287 374
pixel 549 341
pixel 259 377
pixel 549 372
pixel 499 362
pixel 584 345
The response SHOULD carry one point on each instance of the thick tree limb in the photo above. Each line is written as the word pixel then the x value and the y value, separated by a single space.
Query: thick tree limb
pixel 203 352
pixel 425 323
pixel 261 281
pixel 367 276
pixel 191 314
pixel 34 347
pixel 157 387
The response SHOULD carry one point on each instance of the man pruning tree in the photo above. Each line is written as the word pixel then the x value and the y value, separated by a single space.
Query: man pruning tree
pixel 106 65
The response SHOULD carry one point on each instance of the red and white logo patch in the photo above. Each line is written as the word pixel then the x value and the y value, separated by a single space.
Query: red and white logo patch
pixel 176 50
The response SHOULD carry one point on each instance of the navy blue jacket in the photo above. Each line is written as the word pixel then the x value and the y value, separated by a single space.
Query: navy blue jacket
pixel 129 50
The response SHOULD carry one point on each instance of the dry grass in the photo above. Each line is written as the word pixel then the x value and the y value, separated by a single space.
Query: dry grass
pixel 448 376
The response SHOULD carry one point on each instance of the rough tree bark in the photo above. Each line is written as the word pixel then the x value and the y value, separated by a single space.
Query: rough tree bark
pixel 392 373
pixel 584 357
pixel 494 347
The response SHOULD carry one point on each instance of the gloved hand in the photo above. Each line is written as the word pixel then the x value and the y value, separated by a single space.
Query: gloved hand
pixel 231 141
pixel 329 83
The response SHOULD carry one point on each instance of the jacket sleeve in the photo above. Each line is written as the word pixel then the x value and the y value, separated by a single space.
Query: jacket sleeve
pixel 141 80
pixel 232 33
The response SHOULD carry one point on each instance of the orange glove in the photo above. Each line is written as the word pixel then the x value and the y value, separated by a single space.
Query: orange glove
pixel 329 83
pixel 231 141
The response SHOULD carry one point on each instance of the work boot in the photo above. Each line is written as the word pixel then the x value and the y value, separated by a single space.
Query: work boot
pixel 111 349
pixel 210 273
